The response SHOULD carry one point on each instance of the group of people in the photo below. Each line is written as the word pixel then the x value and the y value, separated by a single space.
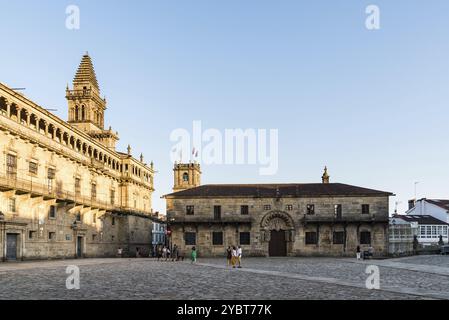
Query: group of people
pixel 234 257
pixel 164 253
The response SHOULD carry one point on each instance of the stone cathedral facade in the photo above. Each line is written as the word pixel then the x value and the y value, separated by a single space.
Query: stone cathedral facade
pixel 65 191
pixel 329 219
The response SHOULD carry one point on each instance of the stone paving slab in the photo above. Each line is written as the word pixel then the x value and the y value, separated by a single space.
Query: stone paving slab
pixel 141 279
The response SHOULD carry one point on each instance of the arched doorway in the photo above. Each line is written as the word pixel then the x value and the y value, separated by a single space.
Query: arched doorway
pixel 277 228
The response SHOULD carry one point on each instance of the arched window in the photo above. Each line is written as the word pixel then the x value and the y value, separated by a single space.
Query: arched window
pixel 185 177
pixel 76 113
pixel 83 113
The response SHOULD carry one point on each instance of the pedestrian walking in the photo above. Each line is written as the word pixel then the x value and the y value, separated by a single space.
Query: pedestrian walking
pixel 164 252
pixel 234 257
pixel 358 253
pixel 175 253
pixel 239 256
pixel 228 256
pixel 159 253
pixel 193 255
pixel 167 256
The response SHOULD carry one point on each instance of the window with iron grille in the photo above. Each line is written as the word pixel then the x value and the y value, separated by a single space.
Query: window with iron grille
pixel 217 212
pixel 77 186
pixel 311 238
pixel 365 237
pixel 217 238
pixel 52 212
pixel 51 173
pixel 244 210
pixel 31 234
pixel 245 238
pixel 190 238
pixel 93 191
pixel 267 207
pixel 365 208
pixel 190 210
pixel 289 207
pixel 32 167
pixel 310 209
pixel 12 205
pixel 11 165
pixel 339 237
pixel 112 197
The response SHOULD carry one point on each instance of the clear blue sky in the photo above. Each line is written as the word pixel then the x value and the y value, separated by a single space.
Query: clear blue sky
pixel 371 105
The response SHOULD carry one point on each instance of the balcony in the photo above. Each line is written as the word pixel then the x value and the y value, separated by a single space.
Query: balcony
pixel 348 218
pixel 35 189
pixel 203 219
pixel 79 94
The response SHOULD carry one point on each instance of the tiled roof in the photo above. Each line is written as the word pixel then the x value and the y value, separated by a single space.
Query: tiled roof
pixel 278 190
pixel 421 219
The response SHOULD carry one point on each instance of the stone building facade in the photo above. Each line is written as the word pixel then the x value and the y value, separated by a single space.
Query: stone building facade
pixel 329 219
pixel 65 191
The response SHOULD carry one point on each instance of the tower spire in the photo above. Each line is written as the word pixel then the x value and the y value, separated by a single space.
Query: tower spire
pixel 325 178
pixel 85 75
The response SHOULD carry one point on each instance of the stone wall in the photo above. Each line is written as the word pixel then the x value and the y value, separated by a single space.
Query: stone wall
pixel 293 211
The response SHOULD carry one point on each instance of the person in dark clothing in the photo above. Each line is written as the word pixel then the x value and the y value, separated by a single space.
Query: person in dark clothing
pixel 228 256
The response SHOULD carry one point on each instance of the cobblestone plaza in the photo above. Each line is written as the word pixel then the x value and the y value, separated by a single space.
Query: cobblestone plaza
pixel 422 277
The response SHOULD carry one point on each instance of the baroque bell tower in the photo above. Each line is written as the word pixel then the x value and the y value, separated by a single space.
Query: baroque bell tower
pixel 186 176
pixel 86 107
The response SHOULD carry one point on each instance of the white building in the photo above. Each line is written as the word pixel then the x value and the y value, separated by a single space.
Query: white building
pixel 437 208
pixel 427 228
pixel 401 236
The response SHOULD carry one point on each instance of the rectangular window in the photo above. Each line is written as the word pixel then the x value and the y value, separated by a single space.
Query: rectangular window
pixel 52 236
pixel 310 209
pixel 32 168
pixel 190 238
pixel 245 238
pixel 93 191
pixel 31 235
pixel 289 207
pixel 244 210
pixel 11 166
pixel 267 207
pixel 112 197
pixel 52 212
pixel 94 218
pixel 217 238
pixel 337 211
pixel 113 221
pixel 217 212
pixel 311 238
pixel 51 173
pixel 365 208
pixel 68 237
pixel 78 217
pixel 12 205
pixel 77 186
pixel 190 210
pixel 94 237
pixel 365 237
pixel 339 237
